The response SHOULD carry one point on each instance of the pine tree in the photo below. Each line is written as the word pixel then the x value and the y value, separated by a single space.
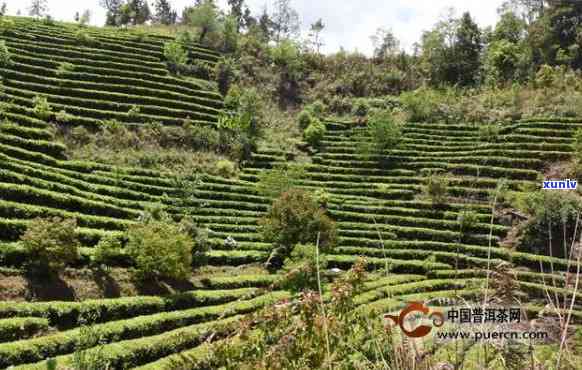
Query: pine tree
pixel 315 34
pixel 467 51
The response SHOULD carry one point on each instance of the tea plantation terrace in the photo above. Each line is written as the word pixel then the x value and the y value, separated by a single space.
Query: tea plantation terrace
pixel 376 201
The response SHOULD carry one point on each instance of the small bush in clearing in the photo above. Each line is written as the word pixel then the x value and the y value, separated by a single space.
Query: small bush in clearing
pixel 225 168
pixel 295 217
pixel 315 132
pixel 160 249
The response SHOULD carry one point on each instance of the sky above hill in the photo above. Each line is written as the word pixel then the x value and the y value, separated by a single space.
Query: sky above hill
pixel 348 23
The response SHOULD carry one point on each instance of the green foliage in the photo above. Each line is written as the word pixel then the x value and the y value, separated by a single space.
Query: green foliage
pixel 551 213
pixel 225 168
pixel 134 111
pixel 384 132
pixel 107 251
pixel 160 249
pixel 232 98
pixel 304 119
pixel 504 62
pixel 52 243
pixel 315 132
pixel 280 179
pixel 301 269
pixel 436 188
pixel 65 68
pixel 361 108
pixel 226 73
pixel 467 220
pixel 310 333
pixel 203 16
pixel 89 337
pixel 295 217
pixel 84 38
pixel 41 107
pixel 175 54
pixel 317 109
pixel 323 197
pixel 5 59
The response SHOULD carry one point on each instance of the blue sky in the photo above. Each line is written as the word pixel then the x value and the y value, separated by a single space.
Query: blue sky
pixel 348 23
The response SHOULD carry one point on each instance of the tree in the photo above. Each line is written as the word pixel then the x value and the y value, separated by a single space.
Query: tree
pixel 38 8
pixel 266 26
pixel 285 19
pixel 3 9
pixel 528 10
pixel 77 17
pixel 467 51
pixel 113 8
pixel 385 44
pixel 160 249
pixel 140 11
pixel 315 34
pixel 164 13
pixel 236 12
pixel 204 16
pixel 85 17
pixel 52 243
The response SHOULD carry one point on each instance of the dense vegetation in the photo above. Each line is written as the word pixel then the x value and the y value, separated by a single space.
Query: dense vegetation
pixel 210 191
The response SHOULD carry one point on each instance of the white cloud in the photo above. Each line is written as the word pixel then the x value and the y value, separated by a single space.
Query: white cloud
pixel 348 23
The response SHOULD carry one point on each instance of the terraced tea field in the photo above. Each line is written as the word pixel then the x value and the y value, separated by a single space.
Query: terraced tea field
pixel 375 200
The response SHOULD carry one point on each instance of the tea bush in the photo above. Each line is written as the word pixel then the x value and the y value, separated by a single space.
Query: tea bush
pixel 160 249
pixel 51 243
pixel 314 133
pixel 295 217
pixel 436 188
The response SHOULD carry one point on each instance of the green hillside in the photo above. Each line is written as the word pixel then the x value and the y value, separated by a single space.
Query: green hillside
pixel 413 247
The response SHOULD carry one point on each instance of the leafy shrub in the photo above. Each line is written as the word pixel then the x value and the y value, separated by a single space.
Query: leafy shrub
pixel 436 188
pixel 42 109
pixel 467 220
pixel 301 267
pixel 317 108
pixel 552 218
pixel 160 249
pixel 52 243
pixel 175 54
pixel 5 59
pixel 107 250
pixel 63 117
pixel 279 179
pixel 83 38
pixel 384 131
pixel 340 105
pixel 361 108
pixel 232 98
pixel 315 132
pixel 295 217
pixel 134 111
pixel 225 73
pixel 65 68
pixel 225 168
pixel 322 197
pixel 304 119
